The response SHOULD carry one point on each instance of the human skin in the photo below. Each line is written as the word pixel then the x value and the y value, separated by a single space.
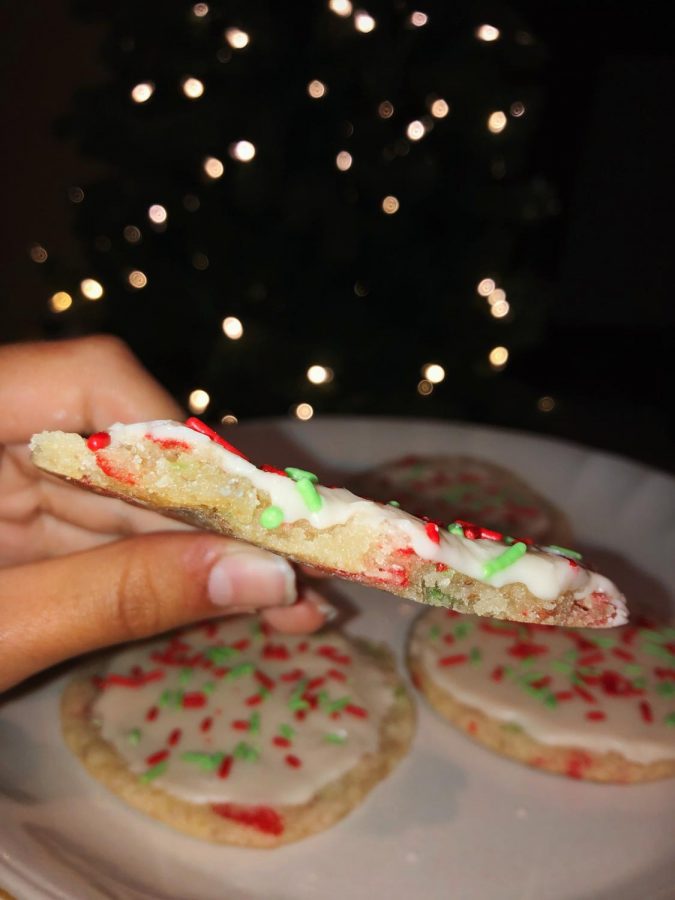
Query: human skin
pixel 78 571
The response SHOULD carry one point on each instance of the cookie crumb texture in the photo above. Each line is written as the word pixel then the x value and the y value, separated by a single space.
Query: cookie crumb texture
pixel 232 733
pixel 192 474
pixel 594 705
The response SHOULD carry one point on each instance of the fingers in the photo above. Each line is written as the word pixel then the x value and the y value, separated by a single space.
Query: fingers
pixel 130 589
pixel 310 612
pixel 77 385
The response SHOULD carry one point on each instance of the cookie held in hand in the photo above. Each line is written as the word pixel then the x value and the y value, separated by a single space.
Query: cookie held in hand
pixel 191 473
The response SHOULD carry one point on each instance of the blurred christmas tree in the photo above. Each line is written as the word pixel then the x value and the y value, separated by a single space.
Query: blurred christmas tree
pixel 308 202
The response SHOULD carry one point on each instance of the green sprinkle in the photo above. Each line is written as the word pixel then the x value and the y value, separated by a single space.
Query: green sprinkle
pixel 310 495
pixel 300 474
pixel 563 551
pixel 462 629
pixel 640 683
pixel 604 642
pixel 632 670
pixel 435 596
pixel 209 762
pixel 242 669
pixel 504 560
pixel 263 692
pixel 254 723
pixel 272 517
pixel 670 719
pixel 219 655
pixel 246 752
pixel 332 737
pixel 551 700
pixel 658 650
pixel 134 737
pixel 560 665
pixel 255 629
pixel 508 540
pixel 209 687
pixel 475 655
pixel 394 503
pixel 171 698
pixel 297 704
pixel 666 688
pixel 434 632
pixel 154 772
pixel 647 635
pixel 185 676
pixel 286 731
pixel 454 528
pixel 668 633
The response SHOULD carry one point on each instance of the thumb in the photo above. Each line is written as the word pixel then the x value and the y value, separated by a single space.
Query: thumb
pixel 58 608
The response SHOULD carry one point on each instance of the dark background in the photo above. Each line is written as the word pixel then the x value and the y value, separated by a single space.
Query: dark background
pixel 604 137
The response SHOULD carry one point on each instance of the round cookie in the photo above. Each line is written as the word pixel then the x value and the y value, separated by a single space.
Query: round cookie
pixel 235 734
pixel 191 473
pixel 597 705
pixel 447 488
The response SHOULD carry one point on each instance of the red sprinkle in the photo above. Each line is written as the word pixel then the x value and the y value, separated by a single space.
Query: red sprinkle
pixel 280 741
pixel 497 673
pixel 276 651
pixel 623 654
pixel 225 766
pixel 595 715
pixel 441 567
pixel 98 441
pixel 584 694
pixel 303 646
pixel 264 680
pixel 357 711
pixel 131 681
pixel 263 818
pixel 151 714
pixel 646 711
pixel 293 761
pixel 205 724
pixel 194 700
pixel 254 700
pixel 523 649
pixel 199 426
pixel 433 533
pixel 336 675
pixel 174 737
pixel 155 758
pixel 240 724
pixel 168 443
pixel 109 469
pixel 266 468
pixel 455 660
pixel 293 675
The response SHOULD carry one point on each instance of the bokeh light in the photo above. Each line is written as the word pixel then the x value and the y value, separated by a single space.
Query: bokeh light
pixel 303 411
pixel 439 108
pixel 496 121
pixel 498 357
pixel 137 279
pixel 213 167
pixel 433 372
pixel 385 110
pixel 229 419
pixel 418 19
pixel 319 374
pixel 415 130
pixel 38 253
pixel 316 89
pixel 340 7
pixel 142 92
pixel 243 151
pixel 390 205
pixel 193 88
pixel 364 22
pixel 500 309
pixel 486 286
pixel 487 33
pixel 546 404
pixel 424 387
pixel 232 328
pixel 236 38
pixel 132 234
pixel 517 109
pixel 157 213
pixel 60 302
pixel 91 289
pixel 200 10
pixel 198 400
pixel 343 160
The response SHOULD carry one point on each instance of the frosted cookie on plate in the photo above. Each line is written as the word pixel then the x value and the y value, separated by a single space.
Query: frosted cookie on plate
pixel 235 734
pixel 193 474
pixel 448 488
pixel 597 705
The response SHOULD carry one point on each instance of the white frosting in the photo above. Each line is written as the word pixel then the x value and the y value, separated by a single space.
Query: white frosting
pixel 545 574
pixel 269 779
pixel 640 655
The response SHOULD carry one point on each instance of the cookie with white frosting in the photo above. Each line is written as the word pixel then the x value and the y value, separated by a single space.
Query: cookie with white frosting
pixel 597 705
pixel 236 734
pixel 451 487
pixel 191 473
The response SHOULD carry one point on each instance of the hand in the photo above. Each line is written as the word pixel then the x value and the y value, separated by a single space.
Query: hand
pixel 82 571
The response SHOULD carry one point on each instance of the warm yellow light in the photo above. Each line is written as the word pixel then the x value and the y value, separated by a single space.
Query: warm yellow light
pixel 500 309
pixel 415 130
pixel 486 286
pixel 390 205
pixel 319 374
pixel 229 419
pixel 198 400
pixel 316 89
pixel 244 151
pixel 424 387
pixel 364 22
pixel 496 121
pixel 517 109
pixel 439 109
pixel 200 10
pixel 487 33
pixel 343 160
pixel 60 302
pixel 433 372
pixel 385 110
pixel 232 328
pixel 137 279
pixel 132 234
pixel 545 404
pixel 498 357
pixel 496 296
pixel 418 19
pixel 91 289
pixel 236 38
pixel 340 7
pixel 142 92
pixel 157 213
pixel 213 167
pixel 303 411
pixel 193 88
pixel 38 253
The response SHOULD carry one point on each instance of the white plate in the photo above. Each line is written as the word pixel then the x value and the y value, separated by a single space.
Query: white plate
pixel 454 820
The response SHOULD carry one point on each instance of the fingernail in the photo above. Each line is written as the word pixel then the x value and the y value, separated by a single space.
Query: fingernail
pixel 251 578
pixel 327 610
